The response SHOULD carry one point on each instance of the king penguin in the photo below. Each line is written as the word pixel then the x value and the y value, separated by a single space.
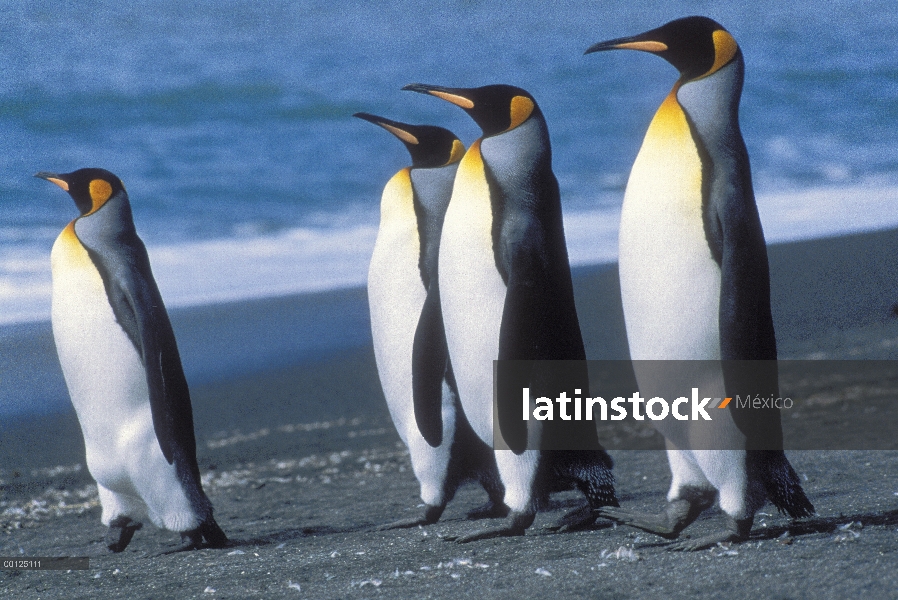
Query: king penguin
pixel 695 282
pixel 122 369
pixel 407 324
pixel 506 292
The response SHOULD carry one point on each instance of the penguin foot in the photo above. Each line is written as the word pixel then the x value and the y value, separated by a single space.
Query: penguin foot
pixel 516 524
pixel 669 524
pixel 575 520
pixel 490 510
pixel 193 539
pixel 120 532
pixel 736 533
pixel 658 524
pixel 431 515
pixel 678 515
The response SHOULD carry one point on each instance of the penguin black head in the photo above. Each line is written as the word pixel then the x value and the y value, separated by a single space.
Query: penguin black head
pixel 496 108
pixel 696 46
pixel 429 146
pixel 89 188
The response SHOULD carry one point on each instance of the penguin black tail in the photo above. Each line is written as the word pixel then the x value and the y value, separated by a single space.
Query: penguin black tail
pixel 213 534
pixel 587 470
pixel 783 485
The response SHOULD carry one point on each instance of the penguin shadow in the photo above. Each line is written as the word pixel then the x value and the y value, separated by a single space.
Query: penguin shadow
pixel 295 533
pixel 572 509
pixel 826 525
pixel 566 511
pixel 147 547
pixel 277 537
pixel 847 525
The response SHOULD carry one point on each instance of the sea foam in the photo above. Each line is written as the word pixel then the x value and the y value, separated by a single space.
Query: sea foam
pixel 304 260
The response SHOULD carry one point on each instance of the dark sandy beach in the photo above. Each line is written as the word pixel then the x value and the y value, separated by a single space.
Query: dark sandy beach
pixel 301 462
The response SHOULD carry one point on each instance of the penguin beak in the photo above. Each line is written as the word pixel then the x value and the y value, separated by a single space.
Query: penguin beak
pixel 452 95
pixel 395 127
pixel 636 42
pixel 54 178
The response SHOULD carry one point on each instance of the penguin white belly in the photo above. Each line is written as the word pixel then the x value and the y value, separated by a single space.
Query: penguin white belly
pixel 670 287
pixel 670 283
pixel 472 292
pixel 107 384
pixel 396 296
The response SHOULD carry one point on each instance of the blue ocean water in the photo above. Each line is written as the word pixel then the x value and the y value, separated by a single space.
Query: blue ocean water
pixel 230 122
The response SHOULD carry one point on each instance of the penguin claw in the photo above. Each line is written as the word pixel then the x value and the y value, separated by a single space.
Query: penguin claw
pixel 402 524
pixel 678 515
pixel 652 523
pixel 703 543
pixel 431 515
pixel 737 532
pixel 488 534
pixel 120 532
pixel 193 539
pixel 516 525
pixel 574 520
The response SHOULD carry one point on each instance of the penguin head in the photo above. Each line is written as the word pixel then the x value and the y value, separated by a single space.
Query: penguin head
pixel 696 46
pixel 495 108
pixel 428 146
pixel 89 188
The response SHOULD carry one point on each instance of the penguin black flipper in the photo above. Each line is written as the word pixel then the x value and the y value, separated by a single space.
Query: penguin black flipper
pixel 140 311
pixel 169 394
pixel 430 357
pixel 746 322
pixel 519 335
pixel 538 286
pixel 736 240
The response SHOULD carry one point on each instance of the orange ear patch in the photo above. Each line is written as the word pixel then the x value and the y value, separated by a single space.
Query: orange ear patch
pixel 458 150
pixel 521 109
pixel 725 48
pixel 100 191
